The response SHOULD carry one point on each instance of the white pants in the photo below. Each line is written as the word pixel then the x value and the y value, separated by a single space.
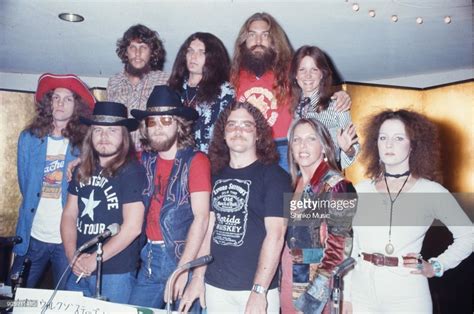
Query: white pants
pixel 389 290
pixel 225 301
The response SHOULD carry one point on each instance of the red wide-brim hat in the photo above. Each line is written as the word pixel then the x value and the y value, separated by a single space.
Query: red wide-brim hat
pixel 49 81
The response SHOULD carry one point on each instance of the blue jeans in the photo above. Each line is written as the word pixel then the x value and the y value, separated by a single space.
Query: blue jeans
pixel 40 253
pixel 282 147
pixel 115 287
pixel 156 267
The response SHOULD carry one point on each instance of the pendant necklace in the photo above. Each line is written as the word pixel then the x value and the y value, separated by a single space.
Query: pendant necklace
pixel 188 102
pixel 389 248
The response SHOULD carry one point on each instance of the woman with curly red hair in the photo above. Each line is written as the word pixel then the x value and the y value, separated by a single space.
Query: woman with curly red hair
pixel 396 207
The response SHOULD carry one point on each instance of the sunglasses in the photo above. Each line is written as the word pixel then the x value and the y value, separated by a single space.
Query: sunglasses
pixel 153 121
pixel 245 126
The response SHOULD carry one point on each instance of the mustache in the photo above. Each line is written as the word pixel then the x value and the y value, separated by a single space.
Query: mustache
pixel 254 47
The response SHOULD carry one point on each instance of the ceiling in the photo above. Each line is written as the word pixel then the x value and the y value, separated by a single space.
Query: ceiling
pixel 362 48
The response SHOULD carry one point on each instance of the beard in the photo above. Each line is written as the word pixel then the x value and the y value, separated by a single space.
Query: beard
pixel 258 62
pixel 164 145
pixel 136 72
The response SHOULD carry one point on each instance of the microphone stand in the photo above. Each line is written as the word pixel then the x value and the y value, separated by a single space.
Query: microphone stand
pixel 69 266
pixel 170 284
pixel 98 281
pixel 336 294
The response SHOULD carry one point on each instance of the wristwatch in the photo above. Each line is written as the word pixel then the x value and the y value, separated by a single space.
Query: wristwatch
pixel 258 289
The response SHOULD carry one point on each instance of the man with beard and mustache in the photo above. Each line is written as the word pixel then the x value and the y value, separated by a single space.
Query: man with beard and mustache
pixel 143 55
pixel 176 197
pixel 106 189
pixel 259 73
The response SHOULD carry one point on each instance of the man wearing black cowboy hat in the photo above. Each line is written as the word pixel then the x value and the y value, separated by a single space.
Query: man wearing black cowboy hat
pixel 106 188
pixel 176 197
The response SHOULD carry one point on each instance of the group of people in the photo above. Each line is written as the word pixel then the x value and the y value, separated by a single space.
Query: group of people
pixel 210 161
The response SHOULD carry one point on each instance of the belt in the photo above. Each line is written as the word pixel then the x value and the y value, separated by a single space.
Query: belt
pixel 380 260
pixel 160 242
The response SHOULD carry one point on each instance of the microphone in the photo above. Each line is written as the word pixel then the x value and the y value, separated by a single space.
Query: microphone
pixel 344 266
pixel 197 262
pixel 10 241
pixel 110 231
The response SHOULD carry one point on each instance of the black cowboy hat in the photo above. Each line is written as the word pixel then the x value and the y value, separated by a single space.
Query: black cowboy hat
pixel 164 101
pixel 110 113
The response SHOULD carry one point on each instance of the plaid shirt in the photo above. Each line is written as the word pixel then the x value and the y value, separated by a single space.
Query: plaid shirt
pixel 119 89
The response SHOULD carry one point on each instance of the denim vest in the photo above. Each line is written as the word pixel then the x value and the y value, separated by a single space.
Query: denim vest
pixel 176 214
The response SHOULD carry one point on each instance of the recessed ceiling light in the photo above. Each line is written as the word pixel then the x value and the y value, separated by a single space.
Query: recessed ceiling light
pixel 355 7
pixel 394 18
pixel 71 17
pixel 447 19
pixel 372 13
pixel 419 20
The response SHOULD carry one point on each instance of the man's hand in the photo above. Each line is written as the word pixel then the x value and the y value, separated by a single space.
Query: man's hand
pixel 343 101
pixel 178 288
pixel 85 265
pixel 195 289
pixel 257 303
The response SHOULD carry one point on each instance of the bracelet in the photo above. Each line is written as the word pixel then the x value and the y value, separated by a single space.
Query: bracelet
pixel 437 267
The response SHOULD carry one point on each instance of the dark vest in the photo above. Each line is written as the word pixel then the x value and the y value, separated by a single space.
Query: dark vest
pixel 176 214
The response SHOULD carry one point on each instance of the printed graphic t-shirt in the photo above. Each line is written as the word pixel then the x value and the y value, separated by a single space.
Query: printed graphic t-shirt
pixel 259 92
pixel 48 216
pixel 240 200
pixel 100 203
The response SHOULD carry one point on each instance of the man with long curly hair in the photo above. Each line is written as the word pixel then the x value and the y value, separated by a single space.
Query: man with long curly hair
pixel 176 197
pixel 246 229
pixel 142 53
pixel 45 148
pixel 259 73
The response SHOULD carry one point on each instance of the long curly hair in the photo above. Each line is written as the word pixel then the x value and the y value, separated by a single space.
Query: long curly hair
pixel 219 154
pixel 215 71
pixel 424 156
pixel 42 124
pixel 280 44
pixel 142 34
pixel 90 158
pixel 326 142
pixel 325 84
pixel 185 135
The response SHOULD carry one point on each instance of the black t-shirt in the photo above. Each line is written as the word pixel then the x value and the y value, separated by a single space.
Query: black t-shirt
pixel 100 204
pixel 241 199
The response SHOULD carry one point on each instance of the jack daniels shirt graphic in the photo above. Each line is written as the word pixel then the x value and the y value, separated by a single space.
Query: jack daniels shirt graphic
pixel 100 202
pixel 240 200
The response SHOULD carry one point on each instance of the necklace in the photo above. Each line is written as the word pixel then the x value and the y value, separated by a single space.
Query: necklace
pixel 189 102
pixel 406 173
pixel 389 248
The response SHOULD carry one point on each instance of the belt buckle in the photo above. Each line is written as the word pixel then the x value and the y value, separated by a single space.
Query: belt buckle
pixel 378 259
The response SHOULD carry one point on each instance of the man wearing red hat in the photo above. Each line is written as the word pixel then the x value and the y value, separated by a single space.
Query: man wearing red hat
pixel 143 55
pixel 45 148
